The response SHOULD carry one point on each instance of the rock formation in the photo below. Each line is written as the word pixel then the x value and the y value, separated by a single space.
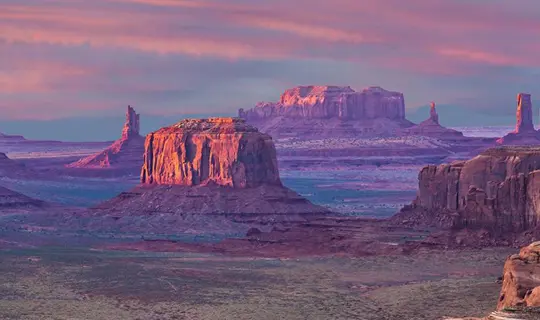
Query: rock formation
pixel 224 151
pixel 524 134
pixel 432 128
pixel 521 279
pixel 498 191
pixel 216 166
pixel 125 153
pixel 307 111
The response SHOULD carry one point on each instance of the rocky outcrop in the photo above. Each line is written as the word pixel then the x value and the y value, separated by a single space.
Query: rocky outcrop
pixel 125 153
pixel 521 279
pixel 224 151
pixel 330 110
pixel 524 134
pixel 207 167
pixel 499 191
pixel 432 128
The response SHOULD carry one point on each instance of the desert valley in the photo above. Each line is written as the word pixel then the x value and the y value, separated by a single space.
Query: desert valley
pixel 328 204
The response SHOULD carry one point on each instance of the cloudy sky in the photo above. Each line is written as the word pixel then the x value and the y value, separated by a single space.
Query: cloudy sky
pixel 78 58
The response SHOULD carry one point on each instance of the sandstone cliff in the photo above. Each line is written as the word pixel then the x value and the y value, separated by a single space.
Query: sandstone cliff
pixel 309 111
pixel 124 153
pixel 524 134
pixel 432 128
pixel 216 166
pixel 521 279
pixel 497 191
pixel 225 151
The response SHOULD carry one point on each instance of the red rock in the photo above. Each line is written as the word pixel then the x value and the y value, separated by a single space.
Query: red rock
pixel 524 134
pixel 308 111
pixel 124 153
pixel 224 151
pixel 202 175
pixel 521 279
pixel 499 190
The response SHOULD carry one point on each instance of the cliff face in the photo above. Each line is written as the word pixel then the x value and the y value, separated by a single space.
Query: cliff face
pixel 224 151
pixel 521 279
pixel 331 102
pixel 498 190
pixel 124 153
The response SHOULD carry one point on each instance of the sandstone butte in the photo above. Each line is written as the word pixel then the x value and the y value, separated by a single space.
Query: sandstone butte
pixel 124 153
pixel 432 128
pixel 209 166
pixel 497 191
pixel 524 134
pixel 318 111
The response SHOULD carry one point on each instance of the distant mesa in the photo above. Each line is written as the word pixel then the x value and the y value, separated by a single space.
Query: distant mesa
pixel 123 153
pixel 11 137
pixel 209 166
pixel 432 128
pixel 524 134
pixel 333 111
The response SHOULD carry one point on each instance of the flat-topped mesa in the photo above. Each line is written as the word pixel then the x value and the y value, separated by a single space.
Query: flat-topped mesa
pixel 132 125
pixel 322 102
pixel 222 151
pixel 524 114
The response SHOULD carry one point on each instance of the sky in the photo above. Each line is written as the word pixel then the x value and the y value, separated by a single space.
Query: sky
pixel 80 58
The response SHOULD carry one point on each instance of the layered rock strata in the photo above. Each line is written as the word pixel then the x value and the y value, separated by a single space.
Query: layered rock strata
pixel 224 151
pixel 499 191
pixel 309 111
pixel 432 128
pixel 524 134
pixel 216 166
pixel 124 153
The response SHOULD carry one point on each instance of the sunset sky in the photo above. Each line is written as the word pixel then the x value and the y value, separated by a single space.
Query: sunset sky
pixel 66 58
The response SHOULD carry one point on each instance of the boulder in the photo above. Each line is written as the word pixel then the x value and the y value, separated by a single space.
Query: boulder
pixel 125 153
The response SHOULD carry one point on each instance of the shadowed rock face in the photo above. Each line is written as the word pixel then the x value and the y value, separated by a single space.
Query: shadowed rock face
pixel 13 200
pixel 499 190
pixel 124 153
pixel 432 128
pixel 224 151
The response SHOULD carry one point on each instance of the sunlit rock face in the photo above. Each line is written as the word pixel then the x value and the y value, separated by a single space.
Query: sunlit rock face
pixel 521 279
pixel 223 151
pixel 329 102
pixel 524 134
pixel 314 112
pixel 125 152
